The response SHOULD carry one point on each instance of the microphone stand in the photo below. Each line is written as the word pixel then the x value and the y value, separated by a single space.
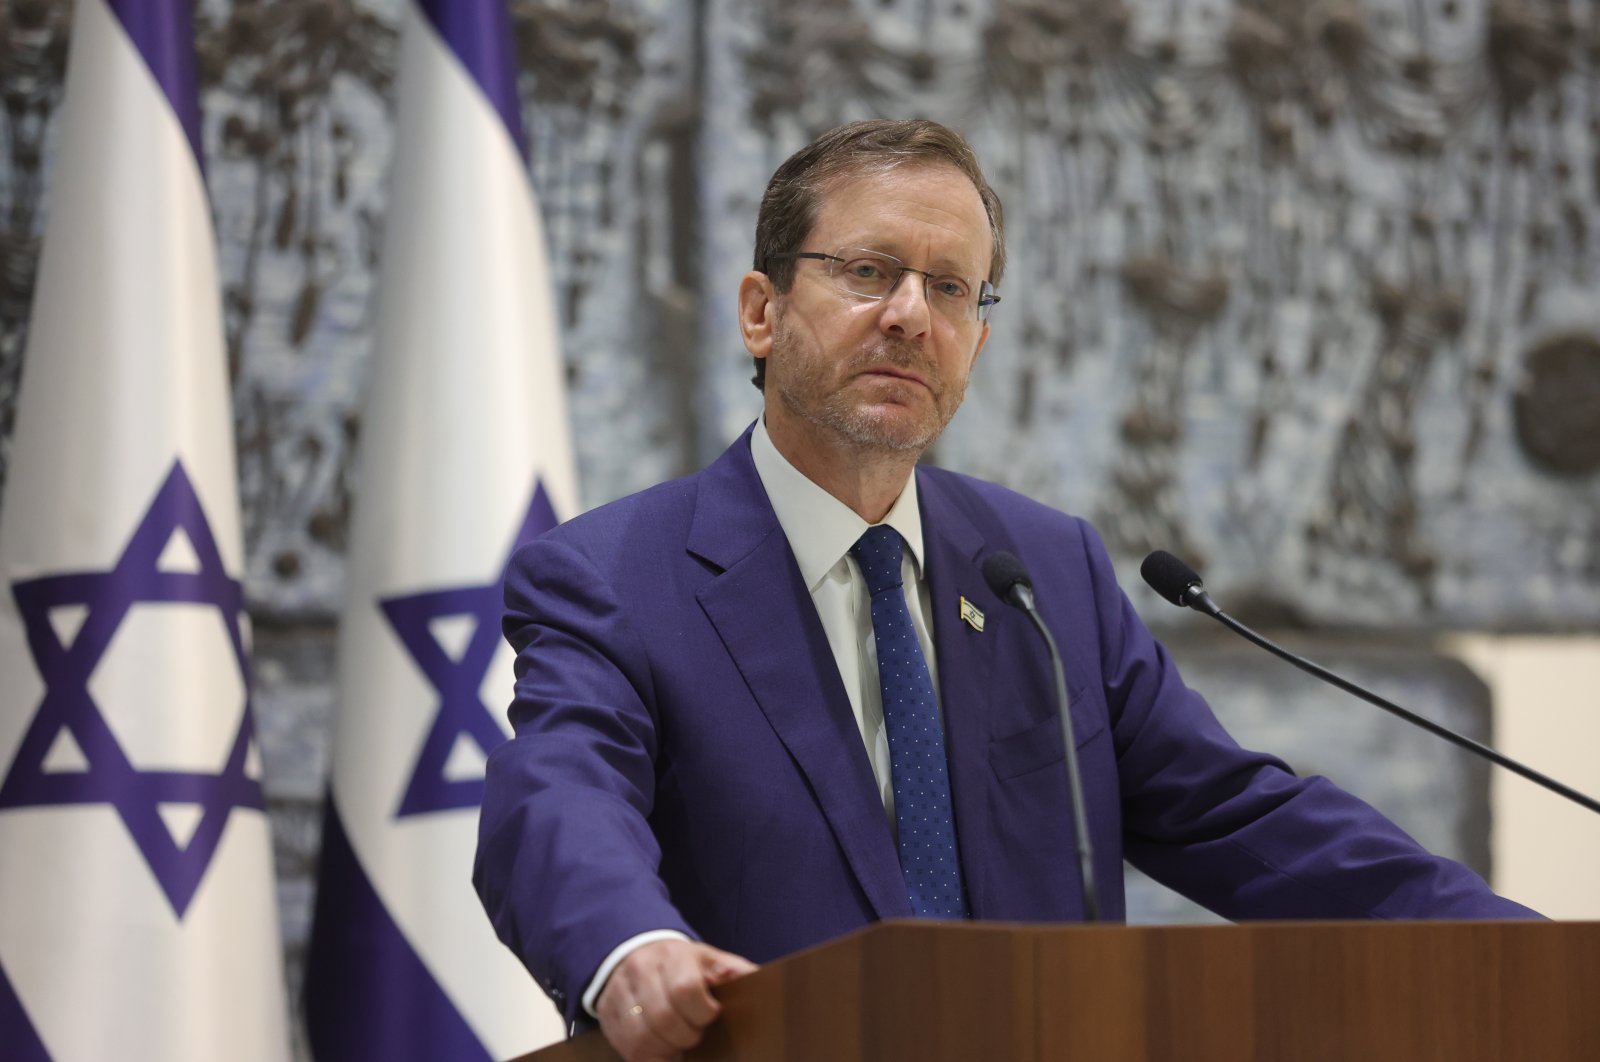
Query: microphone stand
pixel 1009 580
pixel 1194 596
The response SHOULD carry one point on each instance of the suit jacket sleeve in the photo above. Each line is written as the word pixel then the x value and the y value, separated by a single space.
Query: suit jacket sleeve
pixel 1238 831
pixel 567 864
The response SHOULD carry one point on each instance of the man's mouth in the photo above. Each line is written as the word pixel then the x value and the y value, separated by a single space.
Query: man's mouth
pixel 898 373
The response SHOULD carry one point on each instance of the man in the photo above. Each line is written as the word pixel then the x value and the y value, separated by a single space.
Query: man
pixel 756 707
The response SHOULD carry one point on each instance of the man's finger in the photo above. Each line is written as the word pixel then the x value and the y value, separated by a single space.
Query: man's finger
pixel 636 1036
pixel 681 980
pixel 721 966
pixel 664 1030
pixel 690 998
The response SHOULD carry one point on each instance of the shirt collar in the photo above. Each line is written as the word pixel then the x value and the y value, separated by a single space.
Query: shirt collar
pixel 821 528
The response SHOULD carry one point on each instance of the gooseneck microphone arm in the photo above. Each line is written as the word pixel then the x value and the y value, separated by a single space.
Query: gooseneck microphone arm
pixel 1179 584
pixel 1011 583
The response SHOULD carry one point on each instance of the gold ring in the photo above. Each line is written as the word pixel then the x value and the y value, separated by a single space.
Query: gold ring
pixel 636 1010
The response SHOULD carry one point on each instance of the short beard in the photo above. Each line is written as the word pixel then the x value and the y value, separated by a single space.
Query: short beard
pixel 800 378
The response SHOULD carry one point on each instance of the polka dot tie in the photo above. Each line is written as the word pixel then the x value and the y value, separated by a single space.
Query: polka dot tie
pixel 927 832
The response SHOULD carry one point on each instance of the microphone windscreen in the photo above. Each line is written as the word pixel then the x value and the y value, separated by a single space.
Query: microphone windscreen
pixel 1169 576
pixel 1002 571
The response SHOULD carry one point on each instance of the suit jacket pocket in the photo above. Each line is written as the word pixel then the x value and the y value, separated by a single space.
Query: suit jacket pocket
pixel 1040 744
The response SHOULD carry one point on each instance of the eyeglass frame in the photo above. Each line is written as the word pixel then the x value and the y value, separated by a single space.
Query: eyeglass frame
pixel 986 294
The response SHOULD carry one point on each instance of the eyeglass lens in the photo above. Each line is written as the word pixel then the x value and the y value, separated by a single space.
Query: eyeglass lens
pixel 874 274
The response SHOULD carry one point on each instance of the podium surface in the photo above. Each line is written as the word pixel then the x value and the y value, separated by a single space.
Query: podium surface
pixel 1255 992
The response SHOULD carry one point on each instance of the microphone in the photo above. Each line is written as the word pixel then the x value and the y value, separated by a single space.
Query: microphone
pixel 1008 577
pixel 1179 584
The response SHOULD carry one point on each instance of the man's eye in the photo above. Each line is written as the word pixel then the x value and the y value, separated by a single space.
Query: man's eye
pixel 951 287
pixel 865 269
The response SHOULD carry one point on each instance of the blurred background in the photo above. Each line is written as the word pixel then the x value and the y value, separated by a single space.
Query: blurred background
pixel 1304 292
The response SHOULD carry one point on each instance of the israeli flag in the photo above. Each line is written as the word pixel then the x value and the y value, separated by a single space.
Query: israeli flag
pixel 466 454
pixel 137 916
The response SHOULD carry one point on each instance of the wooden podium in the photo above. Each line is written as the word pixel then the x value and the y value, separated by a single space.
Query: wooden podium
pixel 1270 992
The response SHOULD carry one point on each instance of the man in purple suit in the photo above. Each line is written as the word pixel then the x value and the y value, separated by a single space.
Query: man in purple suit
pixel 774 701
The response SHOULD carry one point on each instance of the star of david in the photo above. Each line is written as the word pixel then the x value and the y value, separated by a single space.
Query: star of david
pixel 104 774
pixel 457 678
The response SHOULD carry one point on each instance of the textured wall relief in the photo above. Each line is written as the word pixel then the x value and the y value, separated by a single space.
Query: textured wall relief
pixel 294 99
pixel 33 60
pixel 1277 271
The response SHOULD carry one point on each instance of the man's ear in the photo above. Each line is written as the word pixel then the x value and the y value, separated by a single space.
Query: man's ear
pixel 757 313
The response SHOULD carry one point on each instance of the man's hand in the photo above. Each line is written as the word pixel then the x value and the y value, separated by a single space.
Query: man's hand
pixel 657 1002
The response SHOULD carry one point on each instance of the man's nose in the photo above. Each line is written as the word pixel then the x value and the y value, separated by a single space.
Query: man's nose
pixel 906 312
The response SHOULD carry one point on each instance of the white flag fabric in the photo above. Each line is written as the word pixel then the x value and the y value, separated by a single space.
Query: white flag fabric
pixel 466 454
pixel 137 915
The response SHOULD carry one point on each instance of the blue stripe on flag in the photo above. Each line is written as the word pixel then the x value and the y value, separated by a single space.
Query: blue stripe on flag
pixel 21 1043
pixel 368 997
pixel 163 31
pixel 479 33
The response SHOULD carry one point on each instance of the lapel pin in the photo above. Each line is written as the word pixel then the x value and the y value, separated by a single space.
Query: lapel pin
pixel 971 615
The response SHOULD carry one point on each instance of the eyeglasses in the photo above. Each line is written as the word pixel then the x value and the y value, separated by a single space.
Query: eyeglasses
pixel 874 275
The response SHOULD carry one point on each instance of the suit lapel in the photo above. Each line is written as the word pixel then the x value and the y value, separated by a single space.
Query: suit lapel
pixel 954 547
pixel 763 613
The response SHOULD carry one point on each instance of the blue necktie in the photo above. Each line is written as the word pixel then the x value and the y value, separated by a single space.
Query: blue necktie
pixel 927 831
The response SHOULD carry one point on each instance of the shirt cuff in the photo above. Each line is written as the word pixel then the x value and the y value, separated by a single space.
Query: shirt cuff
pixel 596 984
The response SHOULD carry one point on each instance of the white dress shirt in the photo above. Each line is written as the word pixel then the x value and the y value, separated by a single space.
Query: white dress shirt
pixel 821 529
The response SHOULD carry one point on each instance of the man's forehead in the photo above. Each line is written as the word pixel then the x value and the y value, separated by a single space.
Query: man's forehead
pixel 891 208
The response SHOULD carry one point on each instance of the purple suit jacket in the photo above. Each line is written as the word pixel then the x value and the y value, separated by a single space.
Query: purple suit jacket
pixel 686 757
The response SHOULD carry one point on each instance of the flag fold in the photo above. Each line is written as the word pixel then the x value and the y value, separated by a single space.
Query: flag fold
pixel 465 455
